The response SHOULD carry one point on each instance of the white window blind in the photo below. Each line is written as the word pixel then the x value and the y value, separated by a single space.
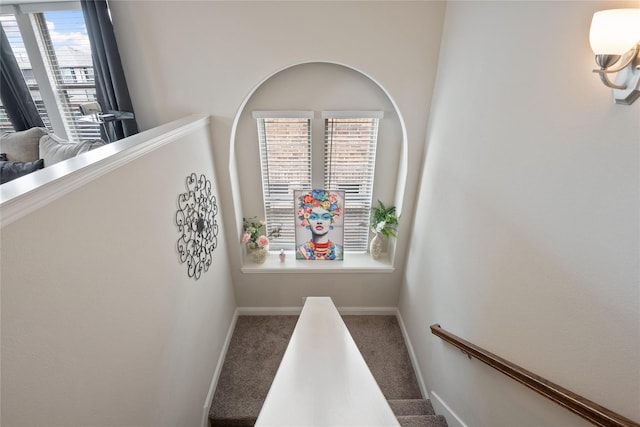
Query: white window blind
pixel 350 142
pixel 65 42
pixel 285 157
pixel 349 165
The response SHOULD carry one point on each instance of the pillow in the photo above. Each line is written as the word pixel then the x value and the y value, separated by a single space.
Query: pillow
pixel 12 170
pixel 22 146
pixel 54 149
pixel 3 157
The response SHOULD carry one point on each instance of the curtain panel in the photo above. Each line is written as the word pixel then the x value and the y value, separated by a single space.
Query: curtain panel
pixel 15 95
pixel 111 86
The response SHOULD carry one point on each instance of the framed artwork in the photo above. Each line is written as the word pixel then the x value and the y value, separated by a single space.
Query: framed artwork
pixel 319 224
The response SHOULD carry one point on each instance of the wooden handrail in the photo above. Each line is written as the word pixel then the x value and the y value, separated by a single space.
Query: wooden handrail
pixel 575 403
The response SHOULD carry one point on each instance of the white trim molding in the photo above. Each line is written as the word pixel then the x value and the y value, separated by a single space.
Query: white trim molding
pixel 279 114
pixel 400 186
pixel 412 356
pixel 441 407
pixel 354 262
pixel 269 311
pixel 218 370
pixel 349 114
pixel 367 311
pixel 289 311
pixel 26 194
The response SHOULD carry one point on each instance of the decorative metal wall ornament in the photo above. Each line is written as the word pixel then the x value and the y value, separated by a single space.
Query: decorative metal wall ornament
pixel 196 220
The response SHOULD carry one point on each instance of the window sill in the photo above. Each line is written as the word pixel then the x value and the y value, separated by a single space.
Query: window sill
pixel 352 263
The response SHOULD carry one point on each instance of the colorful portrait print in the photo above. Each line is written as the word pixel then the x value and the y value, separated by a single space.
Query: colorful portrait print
pixel 319 224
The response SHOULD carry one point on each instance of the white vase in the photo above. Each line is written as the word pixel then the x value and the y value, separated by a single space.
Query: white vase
pixel 259 255
pixel 375 246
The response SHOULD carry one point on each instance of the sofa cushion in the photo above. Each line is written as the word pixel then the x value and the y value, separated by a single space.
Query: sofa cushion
pixel 22 146
pixel 12 170
pixel 54 149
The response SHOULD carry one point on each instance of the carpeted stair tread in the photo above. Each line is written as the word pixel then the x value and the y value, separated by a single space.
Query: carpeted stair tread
pixel 411 407
pixel 422 421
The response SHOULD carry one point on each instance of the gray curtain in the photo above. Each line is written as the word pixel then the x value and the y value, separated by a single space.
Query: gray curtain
pixel 111 85
pixel 14 92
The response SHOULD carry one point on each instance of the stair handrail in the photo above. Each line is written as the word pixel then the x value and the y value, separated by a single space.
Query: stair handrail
pixel 587 409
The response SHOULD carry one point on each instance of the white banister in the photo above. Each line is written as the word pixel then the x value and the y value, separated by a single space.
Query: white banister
pixel 323 379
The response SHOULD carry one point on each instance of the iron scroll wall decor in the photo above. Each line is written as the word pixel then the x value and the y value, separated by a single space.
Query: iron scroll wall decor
pixel 196 220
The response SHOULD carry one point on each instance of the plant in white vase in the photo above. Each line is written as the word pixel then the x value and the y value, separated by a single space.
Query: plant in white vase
pixel 384 224
pixel 256 241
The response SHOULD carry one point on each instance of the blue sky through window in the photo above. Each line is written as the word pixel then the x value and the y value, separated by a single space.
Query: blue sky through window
pixel 67 28
pixel 68 35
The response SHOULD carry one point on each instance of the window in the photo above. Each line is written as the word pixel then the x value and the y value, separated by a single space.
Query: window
pixel 349 151
pixel 52 48
pixel 349 164
pixel 285 160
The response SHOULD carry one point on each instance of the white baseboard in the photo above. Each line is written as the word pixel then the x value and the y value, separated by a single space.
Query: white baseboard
pixel 216 373
pixel 368 311
pixel 412 356
pixel 441 408
pixel 268 311
pixel 439 405
pixel 283 311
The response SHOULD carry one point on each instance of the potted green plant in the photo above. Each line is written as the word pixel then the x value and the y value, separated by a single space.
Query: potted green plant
pixel 384 224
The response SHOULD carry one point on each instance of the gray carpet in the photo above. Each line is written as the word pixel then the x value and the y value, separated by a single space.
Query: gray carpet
pixel 259 342
pixel 381 343
pixel 255 351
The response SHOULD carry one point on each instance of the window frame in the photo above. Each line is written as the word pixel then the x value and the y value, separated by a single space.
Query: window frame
pixel 356 239
pixel 27 20
pixel 273 219
pixel 317 167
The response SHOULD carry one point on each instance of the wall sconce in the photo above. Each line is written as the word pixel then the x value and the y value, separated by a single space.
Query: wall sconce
pixel 615 39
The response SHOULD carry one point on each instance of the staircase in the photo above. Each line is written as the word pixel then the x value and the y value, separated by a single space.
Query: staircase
pixel 416 413
pixel 259 342
pixel 409 412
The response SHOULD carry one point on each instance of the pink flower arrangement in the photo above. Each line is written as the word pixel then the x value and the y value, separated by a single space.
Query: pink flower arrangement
pixel 252 236
pixel 263 241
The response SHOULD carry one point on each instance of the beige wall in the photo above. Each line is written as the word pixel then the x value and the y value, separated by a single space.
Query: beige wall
pixel 216 53
pixel 101 325
pixel 527 234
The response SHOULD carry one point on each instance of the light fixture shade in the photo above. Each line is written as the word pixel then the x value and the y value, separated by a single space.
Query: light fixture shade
pixel 614 31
